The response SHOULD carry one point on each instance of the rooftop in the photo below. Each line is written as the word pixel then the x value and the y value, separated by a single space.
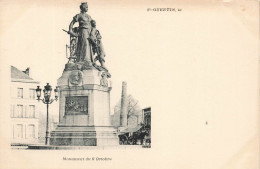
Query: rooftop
pixel 21 76
pixel 18 74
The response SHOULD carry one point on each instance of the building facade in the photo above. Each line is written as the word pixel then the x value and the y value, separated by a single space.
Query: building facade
pixel 147 117
pixel 147 125
pixel 24 108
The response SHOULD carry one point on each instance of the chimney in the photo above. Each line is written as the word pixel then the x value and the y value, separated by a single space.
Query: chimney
pixel 123 111
pixel 27 71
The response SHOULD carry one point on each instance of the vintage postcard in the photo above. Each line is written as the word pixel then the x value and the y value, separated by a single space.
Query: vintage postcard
pixel 129 84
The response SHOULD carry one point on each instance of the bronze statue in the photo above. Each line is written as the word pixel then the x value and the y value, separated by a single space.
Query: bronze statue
pixel 85 41
pixel 83 50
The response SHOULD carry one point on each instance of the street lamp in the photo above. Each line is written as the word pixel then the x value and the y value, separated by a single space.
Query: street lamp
pixel 47 100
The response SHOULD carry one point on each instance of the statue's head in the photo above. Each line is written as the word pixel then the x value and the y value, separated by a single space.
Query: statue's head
pixel 84 7
pixel 93 23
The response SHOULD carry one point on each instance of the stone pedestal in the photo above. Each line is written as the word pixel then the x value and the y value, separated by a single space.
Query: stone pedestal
pixel 72 135
pixel 84 108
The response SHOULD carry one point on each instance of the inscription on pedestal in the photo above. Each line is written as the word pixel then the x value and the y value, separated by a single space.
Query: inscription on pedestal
pixel 76 105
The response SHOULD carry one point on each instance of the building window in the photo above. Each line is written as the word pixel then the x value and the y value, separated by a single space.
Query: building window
pixel 19 111
pixel 31 111
pixel 12 111
pixel 32 93
pixel 20 92
pixel 31 131
pixel 148 120
pixel 18 131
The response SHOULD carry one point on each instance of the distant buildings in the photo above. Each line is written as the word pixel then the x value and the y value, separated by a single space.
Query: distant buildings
pixel 24 107
pixel 147 124
pixel 141 134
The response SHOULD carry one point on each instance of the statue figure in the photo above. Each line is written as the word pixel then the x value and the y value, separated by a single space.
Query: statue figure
pixel 85 43
pixel 97 46
pixel 103 81
pixel 83 52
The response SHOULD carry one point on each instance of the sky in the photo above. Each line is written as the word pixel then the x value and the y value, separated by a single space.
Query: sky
pixel 195 66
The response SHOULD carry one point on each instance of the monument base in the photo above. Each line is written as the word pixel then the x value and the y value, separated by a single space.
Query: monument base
pixel 52 147
pixel 74 135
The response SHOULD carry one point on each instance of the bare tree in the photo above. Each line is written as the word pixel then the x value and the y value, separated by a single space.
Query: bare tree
pixel 133 112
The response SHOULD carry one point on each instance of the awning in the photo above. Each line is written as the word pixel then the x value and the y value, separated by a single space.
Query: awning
pixel 130 130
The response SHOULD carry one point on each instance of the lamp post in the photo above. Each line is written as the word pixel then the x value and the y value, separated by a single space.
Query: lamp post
pixel 47 100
